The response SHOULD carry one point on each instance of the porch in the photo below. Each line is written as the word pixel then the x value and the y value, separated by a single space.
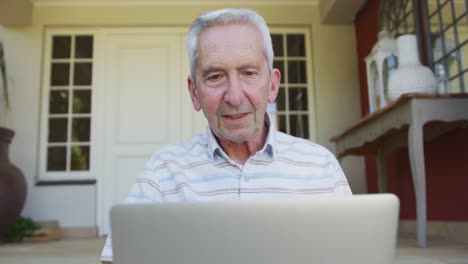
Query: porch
pixel 87 251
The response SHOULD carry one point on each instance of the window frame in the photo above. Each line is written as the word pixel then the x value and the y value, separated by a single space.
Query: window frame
pixel 68 175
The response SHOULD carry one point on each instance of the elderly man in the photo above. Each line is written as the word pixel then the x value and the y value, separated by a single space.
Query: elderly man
pixel 241 156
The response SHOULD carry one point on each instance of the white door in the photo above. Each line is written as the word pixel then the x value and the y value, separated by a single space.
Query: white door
pixel 144 104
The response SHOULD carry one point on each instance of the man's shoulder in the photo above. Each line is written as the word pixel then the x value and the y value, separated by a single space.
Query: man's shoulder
pixel 190 149
pixel 295 145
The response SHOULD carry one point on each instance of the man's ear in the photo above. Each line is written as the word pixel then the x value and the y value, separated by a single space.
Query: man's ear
pixel 192 88
pixel 274 85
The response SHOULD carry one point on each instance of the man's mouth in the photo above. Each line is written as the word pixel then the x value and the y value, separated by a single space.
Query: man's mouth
pixel 236 116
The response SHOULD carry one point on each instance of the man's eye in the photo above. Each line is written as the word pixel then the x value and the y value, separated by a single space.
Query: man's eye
pixel 214 77
pixel 250 73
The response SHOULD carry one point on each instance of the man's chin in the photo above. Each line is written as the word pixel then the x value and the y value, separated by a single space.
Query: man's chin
pixel 237 137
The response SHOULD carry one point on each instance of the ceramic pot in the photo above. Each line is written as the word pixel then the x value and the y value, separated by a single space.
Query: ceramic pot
pixel 410 76
pixel 12 185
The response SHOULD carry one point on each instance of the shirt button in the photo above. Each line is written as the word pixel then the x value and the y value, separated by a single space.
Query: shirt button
pixel 246 179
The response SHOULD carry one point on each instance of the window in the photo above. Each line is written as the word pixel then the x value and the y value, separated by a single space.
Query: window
pixel 447 39
pixel 442 34
pixel 67 107
pixel 294 98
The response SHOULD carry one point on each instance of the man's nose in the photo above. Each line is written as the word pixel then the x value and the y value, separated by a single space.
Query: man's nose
pixel 234 92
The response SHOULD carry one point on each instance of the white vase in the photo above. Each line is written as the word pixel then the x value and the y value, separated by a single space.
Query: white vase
pixel 410 76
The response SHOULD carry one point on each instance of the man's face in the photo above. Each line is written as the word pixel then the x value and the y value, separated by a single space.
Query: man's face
pixel 233 82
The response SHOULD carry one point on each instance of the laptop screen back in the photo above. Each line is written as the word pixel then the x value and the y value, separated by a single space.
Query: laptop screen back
pixel 358 229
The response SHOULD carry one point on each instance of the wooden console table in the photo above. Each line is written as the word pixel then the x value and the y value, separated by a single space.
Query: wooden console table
pixel 408 121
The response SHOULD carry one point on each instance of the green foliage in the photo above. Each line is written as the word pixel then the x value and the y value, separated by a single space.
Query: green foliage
pixel 22 228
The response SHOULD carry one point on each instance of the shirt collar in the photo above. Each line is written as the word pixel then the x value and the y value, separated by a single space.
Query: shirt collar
pixel 268 148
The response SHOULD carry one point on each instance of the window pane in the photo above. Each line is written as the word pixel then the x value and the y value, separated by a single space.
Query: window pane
pixel 61 47
pixel 81 129
pixel 460 9
pixel 297 72
pixel 56 158
pixel 279 64
pixel 84 47
pixel 60 74
pixel 282 123
pixel 281 99
pixel 446 14
pixel 82 101
pixel 277 41
pixel 464 57
pixel 299 125
pixel 82 74
pixel 58 129
pixel 296 45
pixel 297 98
pixel 58 102
pixel 79 158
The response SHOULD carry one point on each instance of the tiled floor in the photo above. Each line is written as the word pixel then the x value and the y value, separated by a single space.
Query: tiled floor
pixel 86 251
pixel 439 251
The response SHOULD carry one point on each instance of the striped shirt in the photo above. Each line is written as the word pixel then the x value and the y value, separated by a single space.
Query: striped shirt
pixel 199 170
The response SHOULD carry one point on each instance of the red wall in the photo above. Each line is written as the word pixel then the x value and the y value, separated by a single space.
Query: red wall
pixel 446 157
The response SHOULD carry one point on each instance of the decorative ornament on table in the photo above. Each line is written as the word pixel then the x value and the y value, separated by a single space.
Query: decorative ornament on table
pixel 379 65
pixel 410 76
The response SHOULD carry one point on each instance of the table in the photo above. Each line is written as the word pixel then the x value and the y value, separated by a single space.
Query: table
pixel 408 121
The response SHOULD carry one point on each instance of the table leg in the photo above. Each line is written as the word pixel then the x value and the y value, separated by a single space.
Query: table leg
pixel 416 155
pixel 381 171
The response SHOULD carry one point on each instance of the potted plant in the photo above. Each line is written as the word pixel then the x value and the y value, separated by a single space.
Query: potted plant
pixel 22 228
pixel 12 181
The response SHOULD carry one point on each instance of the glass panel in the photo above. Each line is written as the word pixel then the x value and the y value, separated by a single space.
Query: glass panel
pixel 58 102
pixel 58 129
pixel 465 80
pixel 410 24
pixel 79 158
pixel 464 57
pixel 84 47
pixel 83 73
pixel 460 9
pixel 279 64
pixel 299 126
pixel 455 85
pixel 431 7
pixel 296 45
pixel 61 47
pixel 446 12
pixel 60 74
pixel 82 101
pixel 277 41
pixel 437 51
pixel 81 129
pixel 297 98
pixel 282 123
pixel 281 99
pixel 56 158
pixel 435 25
pixel 450 39
pixel 297 72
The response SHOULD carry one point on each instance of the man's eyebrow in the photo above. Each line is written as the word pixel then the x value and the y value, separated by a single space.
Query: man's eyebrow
pixel 249 67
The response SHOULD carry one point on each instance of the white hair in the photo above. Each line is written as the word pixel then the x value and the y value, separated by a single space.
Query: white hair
pixel 225 17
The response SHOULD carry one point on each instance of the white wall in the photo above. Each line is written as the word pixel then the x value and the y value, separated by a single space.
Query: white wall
pixel 334 71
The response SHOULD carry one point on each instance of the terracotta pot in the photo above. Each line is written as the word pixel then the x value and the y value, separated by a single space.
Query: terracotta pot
pixel 12 185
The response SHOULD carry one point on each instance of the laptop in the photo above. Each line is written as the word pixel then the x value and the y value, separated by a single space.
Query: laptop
pixel 357 229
